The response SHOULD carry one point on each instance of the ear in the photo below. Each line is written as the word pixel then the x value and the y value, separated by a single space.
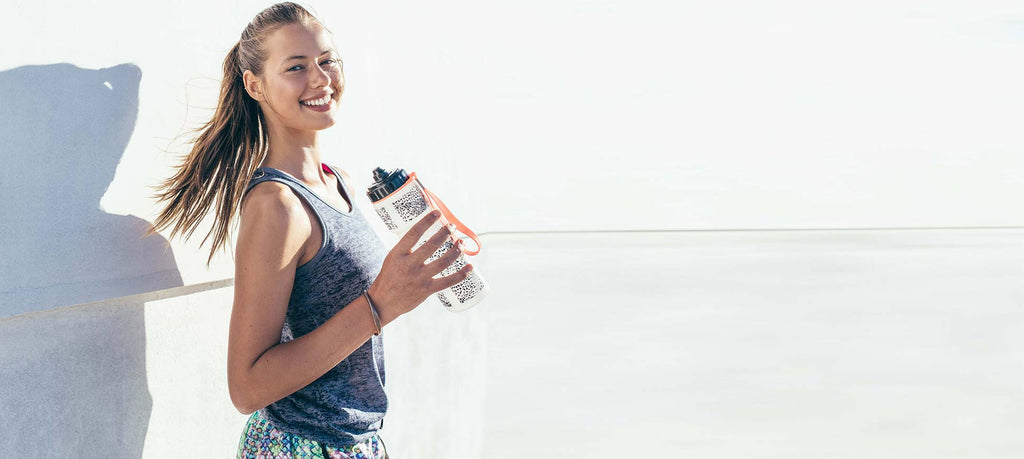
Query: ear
pixel 252 85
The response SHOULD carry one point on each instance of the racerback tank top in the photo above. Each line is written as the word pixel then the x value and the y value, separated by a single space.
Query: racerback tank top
pixel 347 404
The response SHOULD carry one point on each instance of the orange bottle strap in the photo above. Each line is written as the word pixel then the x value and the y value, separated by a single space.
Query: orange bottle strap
pixel 447 217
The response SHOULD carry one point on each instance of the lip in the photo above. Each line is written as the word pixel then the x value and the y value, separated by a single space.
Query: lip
pixel 317 97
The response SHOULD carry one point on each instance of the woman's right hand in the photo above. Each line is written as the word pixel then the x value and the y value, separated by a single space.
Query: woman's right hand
pixel 404 281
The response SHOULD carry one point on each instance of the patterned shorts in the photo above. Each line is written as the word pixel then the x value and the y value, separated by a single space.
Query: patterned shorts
pixel 260 440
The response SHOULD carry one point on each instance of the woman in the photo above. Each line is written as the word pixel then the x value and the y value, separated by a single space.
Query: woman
pixel 313 282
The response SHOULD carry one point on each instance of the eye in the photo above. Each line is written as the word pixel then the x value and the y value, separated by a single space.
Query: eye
pixel 295 67
pixel 331 61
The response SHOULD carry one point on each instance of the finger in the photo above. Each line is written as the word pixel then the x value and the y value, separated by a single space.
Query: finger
pixel 432 245
pixel 441 264
pixel 454 278
pixel 416 232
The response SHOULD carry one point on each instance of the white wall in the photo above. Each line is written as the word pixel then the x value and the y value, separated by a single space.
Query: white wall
pixel 756 344
pixel 522 116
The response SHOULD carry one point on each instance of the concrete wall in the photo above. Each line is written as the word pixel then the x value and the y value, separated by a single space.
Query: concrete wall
pixel 120 377
pixel 144 376
pixel 522 116
pixel 64 131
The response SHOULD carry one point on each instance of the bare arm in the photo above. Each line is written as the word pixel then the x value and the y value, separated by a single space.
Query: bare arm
pixel 273 229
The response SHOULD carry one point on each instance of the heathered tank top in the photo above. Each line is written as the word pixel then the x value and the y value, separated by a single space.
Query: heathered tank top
pixel 347 404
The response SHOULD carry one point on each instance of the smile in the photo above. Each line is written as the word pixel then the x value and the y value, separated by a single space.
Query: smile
pixel 326 99
pixel 319 105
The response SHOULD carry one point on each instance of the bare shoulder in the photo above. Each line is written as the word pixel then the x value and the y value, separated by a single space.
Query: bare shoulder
pixel 270 197
pixel 273 210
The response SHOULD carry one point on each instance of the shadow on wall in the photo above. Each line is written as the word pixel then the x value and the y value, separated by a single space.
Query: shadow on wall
pixel 73 380
pixel 64 130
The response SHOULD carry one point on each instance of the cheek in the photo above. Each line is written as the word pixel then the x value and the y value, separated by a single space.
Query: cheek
pixel 289 92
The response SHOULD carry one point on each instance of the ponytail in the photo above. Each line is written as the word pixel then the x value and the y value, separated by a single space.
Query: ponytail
pixel 215 173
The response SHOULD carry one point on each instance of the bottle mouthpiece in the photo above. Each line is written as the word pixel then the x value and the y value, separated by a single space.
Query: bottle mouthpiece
pixel 385 183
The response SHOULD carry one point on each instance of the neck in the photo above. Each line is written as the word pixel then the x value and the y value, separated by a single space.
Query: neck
pixel 297 153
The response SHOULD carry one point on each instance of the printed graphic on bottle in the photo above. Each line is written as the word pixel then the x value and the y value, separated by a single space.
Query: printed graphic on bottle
pixel 444 300
pixel 383 213
pixel 411 205
pixel 469 287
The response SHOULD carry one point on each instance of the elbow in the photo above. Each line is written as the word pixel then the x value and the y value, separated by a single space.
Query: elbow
pixel 242 398
pixel 242 406
pixel 241 403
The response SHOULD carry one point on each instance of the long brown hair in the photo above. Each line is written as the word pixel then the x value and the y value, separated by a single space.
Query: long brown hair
pixel 230 146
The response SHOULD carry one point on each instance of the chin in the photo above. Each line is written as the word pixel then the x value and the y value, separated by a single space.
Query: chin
pixel 326 125
pixel 321 124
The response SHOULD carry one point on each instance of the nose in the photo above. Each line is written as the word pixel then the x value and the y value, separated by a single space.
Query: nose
pixel 320 78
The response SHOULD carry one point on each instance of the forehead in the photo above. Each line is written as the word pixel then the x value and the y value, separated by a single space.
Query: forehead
pixel 296 40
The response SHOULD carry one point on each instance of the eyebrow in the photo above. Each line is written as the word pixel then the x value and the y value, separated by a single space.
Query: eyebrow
pixel 303 57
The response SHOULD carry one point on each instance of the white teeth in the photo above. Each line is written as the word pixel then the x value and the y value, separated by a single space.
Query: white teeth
pixel 320 101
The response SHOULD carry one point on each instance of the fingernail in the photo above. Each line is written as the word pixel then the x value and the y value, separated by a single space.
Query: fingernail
pixel 436 213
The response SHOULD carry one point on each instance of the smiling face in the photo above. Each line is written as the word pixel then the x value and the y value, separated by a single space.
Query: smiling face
pixel 302 79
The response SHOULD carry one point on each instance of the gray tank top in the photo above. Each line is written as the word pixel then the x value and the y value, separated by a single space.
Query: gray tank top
pixel 347 404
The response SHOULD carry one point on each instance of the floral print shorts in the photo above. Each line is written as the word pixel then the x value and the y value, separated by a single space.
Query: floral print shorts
pixel 260 440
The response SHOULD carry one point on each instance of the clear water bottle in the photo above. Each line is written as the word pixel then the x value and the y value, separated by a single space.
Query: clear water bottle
pixel 401 200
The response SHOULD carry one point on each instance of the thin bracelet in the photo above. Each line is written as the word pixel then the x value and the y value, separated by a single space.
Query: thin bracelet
pixel 373 310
